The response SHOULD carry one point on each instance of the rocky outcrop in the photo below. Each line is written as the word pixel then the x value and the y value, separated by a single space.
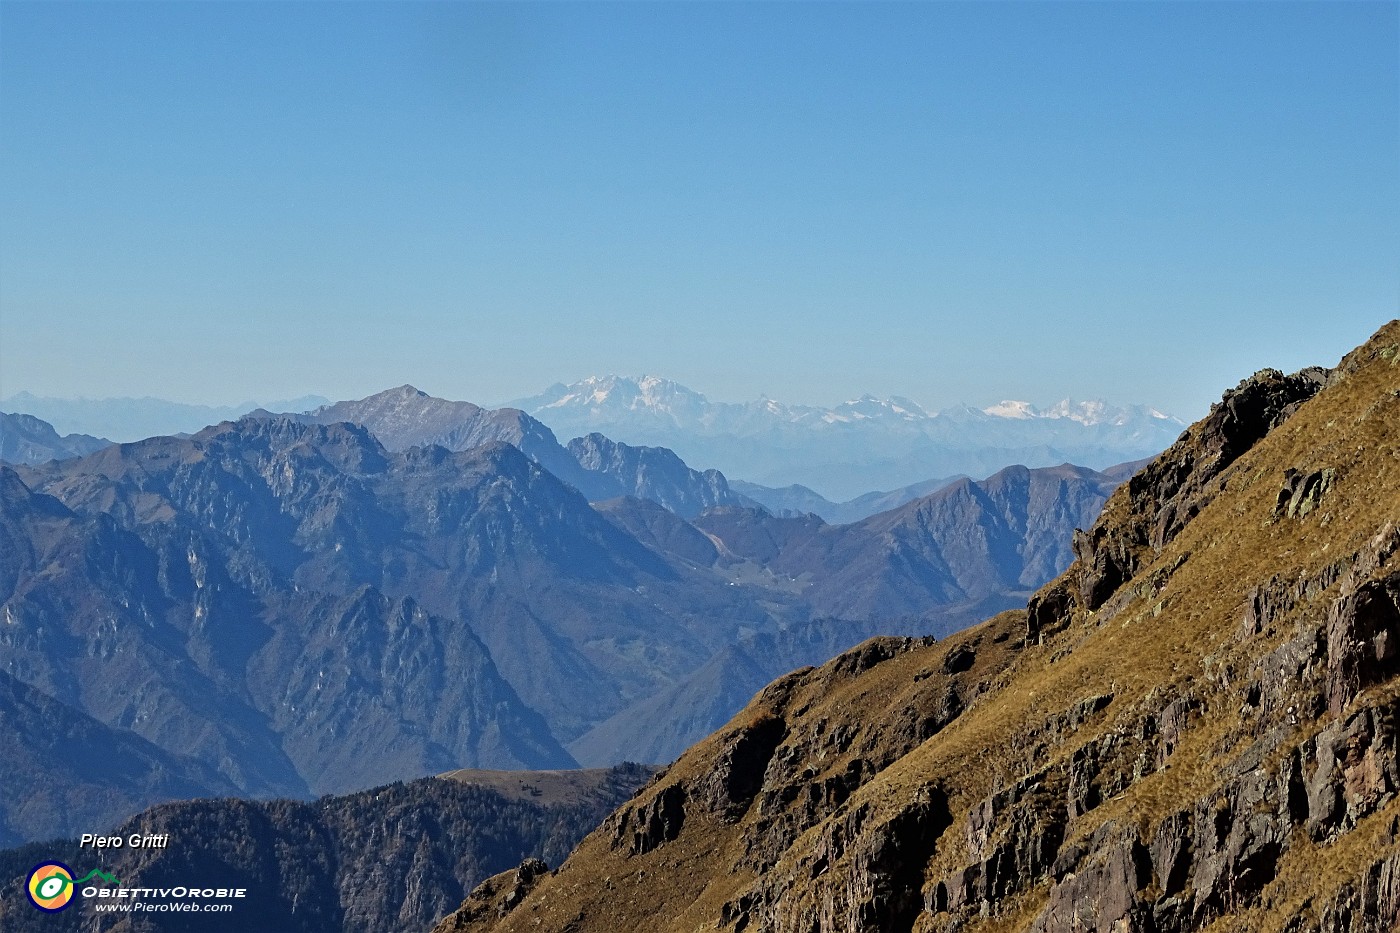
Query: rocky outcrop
pixel 1302 492
pixel 1175 487
pixel 497 895
pixel 640 829
pixel 1101 896
pixel 1363 639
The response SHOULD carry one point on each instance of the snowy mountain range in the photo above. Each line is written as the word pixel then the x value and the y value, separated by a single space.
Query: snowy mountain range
pixel 849 449
pixel 607 398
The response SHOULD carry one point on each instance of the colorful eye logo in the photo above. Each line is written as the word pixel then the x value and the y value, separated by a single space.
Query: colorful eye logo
pixel 50 886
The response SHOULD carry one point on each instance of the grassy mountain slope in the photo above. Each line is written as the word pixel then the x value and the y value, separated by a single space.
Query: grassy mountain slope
pixel 1194 728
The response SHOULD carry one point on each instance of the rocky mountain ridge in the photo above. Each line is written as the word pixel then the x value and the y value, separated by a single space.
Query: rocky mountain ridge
pixel 1193 728
pixel 594 465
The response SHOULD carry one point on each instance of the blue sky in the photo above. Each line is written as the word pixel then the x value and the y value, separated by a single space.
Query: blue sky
pixel 952 202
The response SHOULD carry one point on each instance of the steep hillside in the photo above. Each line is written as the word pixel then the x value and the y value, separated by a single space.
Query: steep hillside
pixel 65 773
pixel 1193 728
pixel 391 859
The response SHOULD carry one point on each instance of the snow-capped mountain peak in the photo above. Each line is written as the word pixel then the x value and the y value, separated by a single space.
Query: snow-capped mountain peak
pixel 868 406
pixel 1012 409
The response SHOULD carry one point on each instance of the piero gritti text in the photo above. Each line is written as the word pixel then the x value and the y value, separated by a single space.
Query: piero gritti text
pixel 133 841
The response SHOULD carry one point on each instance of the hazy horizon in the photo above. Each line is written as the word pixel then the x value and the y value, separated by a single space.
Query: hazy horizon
pixel 499 401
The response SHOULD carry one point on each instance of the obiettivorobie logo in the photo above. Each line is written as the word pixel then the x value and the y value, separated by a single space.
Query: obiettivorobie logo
pixel 52 887
pixel 51 884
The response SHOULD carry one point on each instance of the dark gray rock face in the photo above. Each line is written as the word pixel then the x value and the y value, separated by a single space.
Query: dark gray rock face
pixel 640 830
pixel 1101 896
pixel 1363 640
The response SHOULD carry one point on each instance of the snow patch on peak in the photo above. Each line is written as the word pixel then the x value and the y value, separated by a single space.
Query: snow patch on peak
pixel 1008 408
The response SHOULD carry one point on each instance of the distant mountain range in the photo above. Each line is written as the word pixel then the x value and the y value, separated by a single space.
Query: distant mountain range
pixel 846 451
pixel 131 419
pixel 27 440
pixel 319 602
pixel 854 460
pixel 797 499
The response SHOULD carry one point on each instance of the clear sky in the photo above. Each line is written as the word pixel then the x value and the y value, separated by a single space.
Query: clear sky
pixel 953 202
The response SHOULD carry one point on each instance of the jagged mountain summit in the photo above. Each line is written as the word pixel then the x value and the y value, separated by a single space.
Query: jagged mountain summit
pixel 595 465
pixel 653 473
pixel 845 451
pixel 1193 728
